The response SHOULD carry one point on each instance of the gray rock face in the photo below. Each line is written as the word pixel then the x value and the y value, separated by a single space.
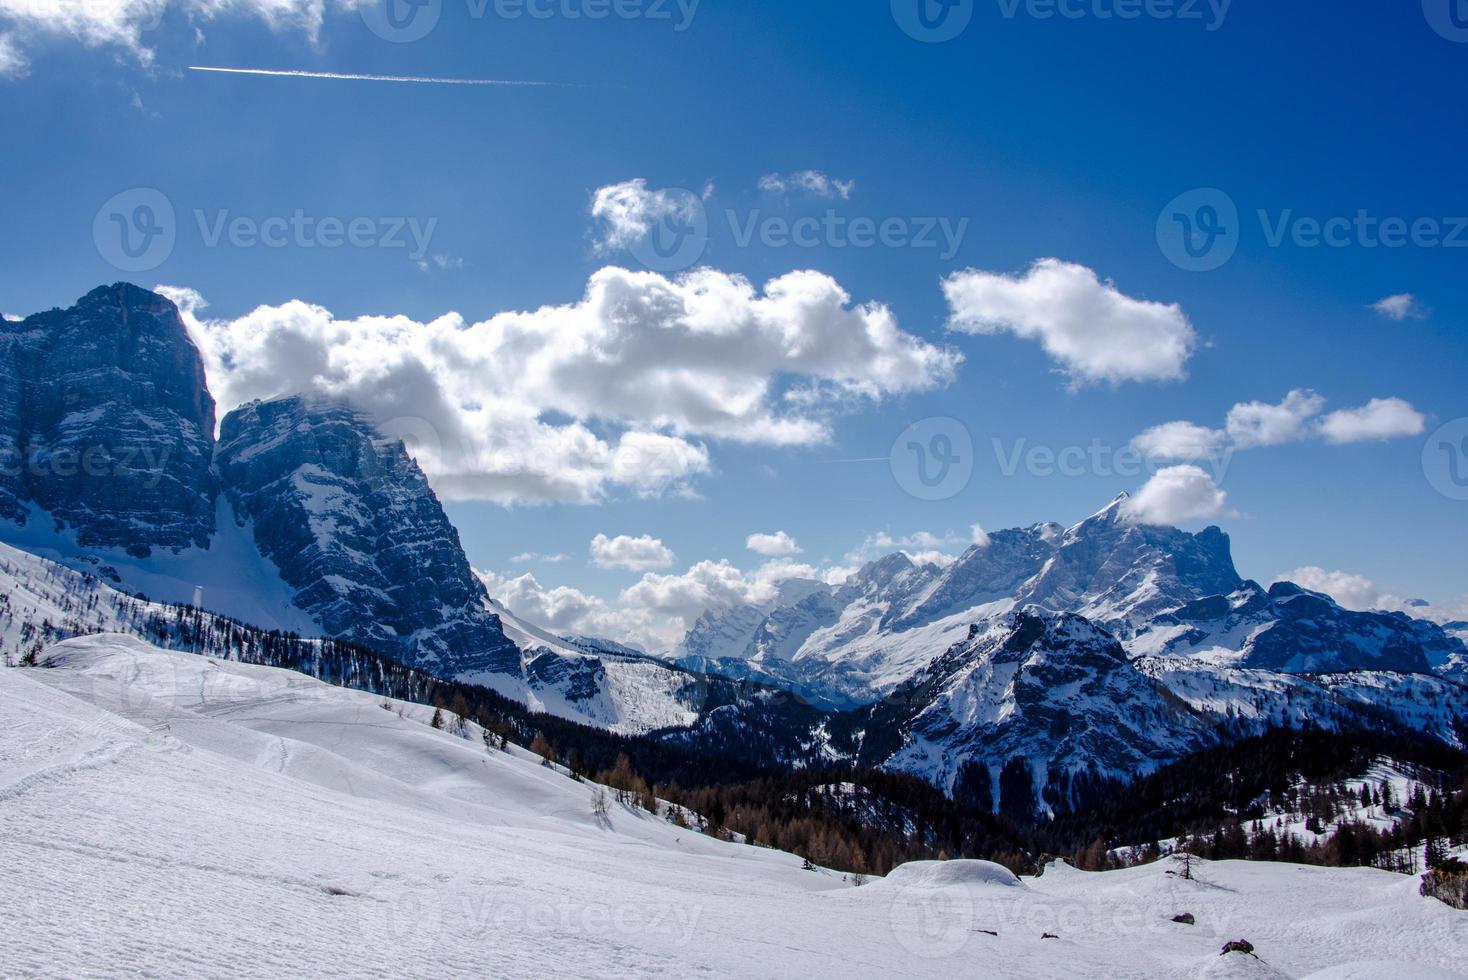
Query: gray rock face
pixel 1049 693
pixel 1121 574
pixel 106 422
pixel 353 526
pixel 1296 631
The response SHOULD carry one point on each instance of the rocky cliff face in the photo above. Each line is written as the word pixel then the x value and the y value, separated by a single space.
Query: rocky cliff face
pixel 1038 701
pixel 1121 574
pixel 1296 631
pixel 106 422
pixel 352 524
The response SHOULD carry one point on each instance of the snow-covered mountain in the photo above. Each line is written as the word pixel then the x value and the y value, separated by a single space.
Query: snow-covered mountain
pixel 301 517
pixel 106 423
pixel 1159 590
pixel 351 523
pixel 1043 657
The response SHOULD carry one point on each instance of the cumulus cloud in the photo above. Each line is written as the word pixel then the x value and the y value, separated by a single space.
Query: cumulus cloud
pixel 1180 441
pixel 566 611
pixel 633 554
pixel 979 537
pixel 1378 420
pixel 774 545
pixel 811 182
pixel 1251 424
pixel 618 390
pixel 124 23
pixel 1350 590
pixel 1402 306
pixel 628 211
pixel 676 601
pixel 1295 419
pixel 1176 495
pixel 1094 331
pixel 1358 592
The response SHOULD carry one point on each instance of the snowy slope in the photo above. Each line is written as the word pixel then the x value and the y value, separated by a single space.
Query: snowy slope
pixel 45 601
pixel 235 580
pixel 174 816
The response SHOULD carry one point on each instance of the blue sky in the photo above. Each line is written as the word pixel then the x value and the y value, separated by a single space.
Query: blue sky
pixel 1060 137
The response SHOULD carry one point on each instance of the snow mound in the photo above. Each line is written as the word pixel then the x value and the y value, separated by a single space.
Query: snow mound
pixel 1243 966
pixel 948 874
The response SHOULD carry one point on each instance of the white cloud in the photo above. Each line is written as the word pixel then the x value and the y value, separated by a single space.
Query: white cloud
pixel 1180 441
pixel 812 182
pixel 629 210
pixel 773 545
pixel 1377 420
pixel 1296 419
pixel 572 402
pixel 1088 326
pixel 442 263
pixel 125 23
pixel 1400 307
pixel 1359 592
pixel 1176 495
pixel 1253 424
pixel 13 62
pixel 634 554
pixel 535 556
pixel 564 610
pixel 923 547
pixel 979 537
pixel 676 601
pixel 1350 590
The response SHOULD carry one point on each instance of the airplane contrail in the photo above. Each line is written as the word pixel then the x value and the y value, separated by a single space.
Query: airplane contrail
pixel 414 79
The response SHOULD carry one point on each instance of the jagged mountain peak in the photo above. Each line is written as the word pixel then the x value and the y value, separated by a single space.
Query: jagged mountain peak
pixel 1112 513
pixel 106 422
pixel 351 522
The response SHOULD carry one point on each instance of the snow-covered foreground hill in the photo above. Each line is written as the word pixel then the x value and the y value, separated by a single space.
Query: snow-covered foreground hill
pixel 170 814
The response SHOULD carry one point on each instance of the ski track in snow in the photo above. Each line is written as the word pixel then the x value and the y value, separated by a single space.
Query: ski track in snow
pixel 169 815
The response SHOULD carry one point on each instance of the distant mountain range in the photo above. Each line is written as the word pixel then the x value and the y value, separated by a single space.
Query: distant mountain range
pixel 1034 664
